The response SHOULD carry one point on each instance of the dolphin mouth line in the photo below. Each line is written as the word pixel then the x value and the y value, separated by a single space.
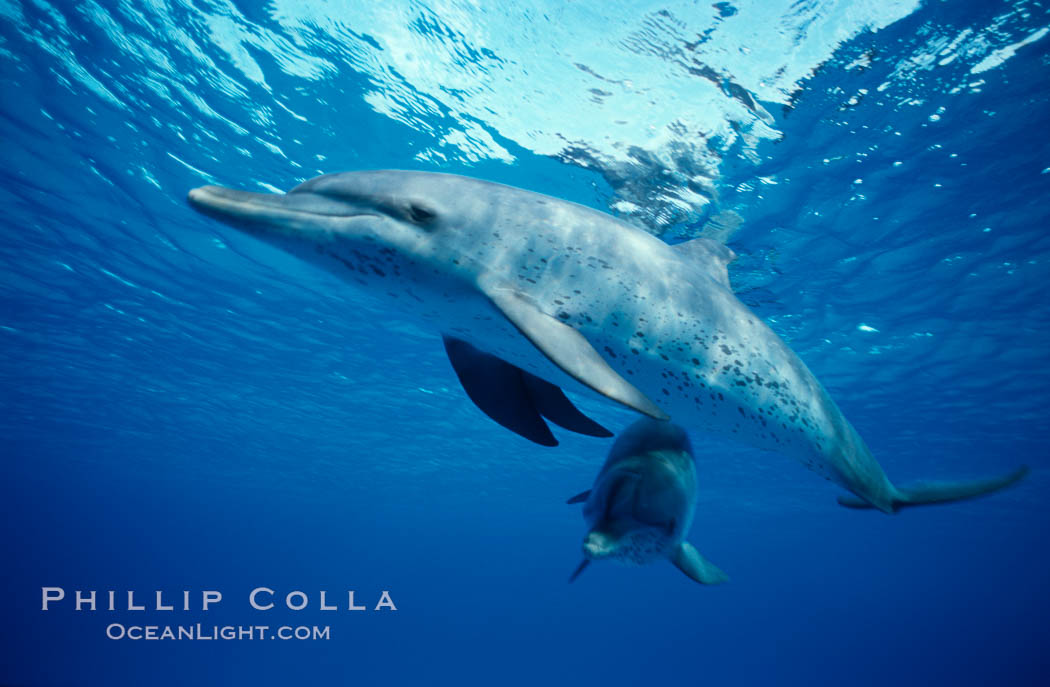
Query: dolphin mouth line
pixel 226 203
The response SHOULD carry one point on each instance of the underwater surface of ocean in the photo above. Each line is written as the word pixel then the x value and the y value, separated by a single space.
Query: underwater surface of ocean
pixel 184 408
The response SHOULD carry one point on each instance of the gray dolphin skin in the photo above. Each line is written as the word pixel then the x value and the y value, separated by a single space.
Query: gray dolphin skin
pixel 642 503
pixel 533 295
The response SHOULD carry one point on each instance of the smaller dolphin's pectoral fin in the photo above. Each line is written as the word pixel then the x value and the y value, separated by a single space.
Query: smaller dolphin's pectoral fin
pixel 569 350
pixel 579 569
pixel 498 389
pixel 688 560
pixel 581 497
pixel 929 493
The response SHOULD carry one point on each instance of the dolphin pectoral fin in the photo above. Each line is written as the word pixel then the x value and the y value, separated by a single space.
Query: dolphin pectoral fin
pixel 570 351
pixel 579 569
pixel 554 405
pixel 581 497
pixel 497 388
pixel 688 560
pixel 928 493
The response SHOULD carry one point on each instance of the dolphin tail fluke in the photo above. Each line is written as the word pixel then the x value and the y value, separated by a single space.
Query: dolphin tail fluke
pixel 579 569
pixel 514 398
pixel 688 560
pixel 926 493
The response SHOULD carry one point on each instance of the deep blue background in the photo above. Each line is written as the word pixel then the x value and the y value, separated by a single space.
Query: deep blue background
pixel 184 409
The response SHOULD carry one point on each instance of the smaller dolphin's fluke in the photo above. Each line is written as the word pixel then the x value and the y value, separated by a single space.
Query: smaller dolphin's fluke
pixel 930 493
pixel 514 398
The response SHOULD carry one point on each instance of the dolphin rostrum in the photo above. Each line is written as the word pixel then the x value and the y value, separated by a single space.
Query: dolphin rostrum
pixel 533 294
pixel 642 503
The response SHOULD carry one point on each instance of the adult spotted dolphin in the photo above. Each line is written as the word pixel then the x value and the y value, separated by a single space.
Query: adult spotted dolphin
pixel 534 294
pixel 642 503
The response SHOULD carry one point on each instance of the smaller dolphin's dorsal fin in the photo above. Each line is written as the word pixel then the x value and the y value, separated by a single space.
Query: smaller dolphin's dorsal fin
pixel 708 254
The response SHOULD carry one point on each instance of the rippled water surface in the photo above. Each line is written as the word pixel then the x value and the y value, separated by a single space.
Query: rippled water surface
pixel 184 408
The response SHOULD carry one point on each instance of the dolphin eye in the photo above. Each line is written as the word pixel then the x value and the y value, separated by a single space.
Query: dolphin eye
pixel 420 215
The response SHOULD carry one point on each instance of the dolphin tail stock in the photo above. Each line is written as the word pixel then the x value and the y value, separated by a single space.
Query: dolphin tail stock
pixel 687 559
pixel 929 493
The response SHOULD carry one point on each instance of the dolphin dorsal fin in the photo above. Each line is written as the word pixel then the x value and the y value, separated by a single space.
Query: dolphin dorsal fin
pixel 710 255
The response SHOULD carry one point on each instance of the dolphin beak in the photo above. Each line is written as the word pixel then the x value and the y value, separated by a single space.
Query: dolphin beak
pixel 597 545
pixel 272 213
pixel 247 208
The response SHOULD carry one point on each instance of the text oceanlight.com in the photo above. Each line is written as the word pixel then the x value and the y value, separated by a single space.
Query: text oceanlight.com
pixel 215 632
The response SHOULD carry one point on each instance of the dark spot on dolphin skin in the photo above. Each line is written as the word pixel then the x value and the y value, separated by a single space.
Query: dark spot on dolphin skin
pixel 610 352
pixel 666 392
pixel 740 383
pixel 378 271
pixel 721 397
pixel 563 316
pixel 696 361
pixel 741 411
pixel 634 350
pixel 664 356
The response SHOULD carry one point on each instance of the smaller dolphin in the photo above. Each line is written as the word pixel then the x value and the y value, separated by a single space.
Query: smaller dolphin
pixel 642 502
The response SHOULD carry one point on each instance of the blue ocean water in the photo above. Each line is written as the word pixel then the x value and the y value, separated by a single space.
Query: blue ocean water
pixel 186 409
